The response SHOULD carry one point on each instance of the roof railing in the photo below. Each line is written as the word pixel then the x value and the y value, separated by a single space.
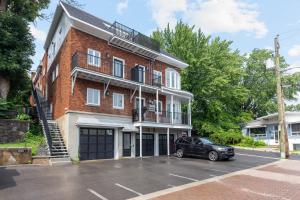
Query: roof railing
pixel 132 35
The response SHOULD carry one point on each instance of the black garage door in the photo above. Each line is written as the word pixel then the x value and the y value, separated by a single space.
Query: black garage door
pixel 163 144
pixel 147 144
pixel 96 143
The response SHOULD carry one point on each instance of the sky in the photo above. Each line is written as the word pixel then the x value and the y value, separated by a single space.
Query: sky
pixel 248 23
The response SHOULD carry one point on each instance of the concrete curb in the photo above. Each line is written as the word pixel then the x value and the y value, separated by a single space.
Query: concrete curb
pixel 190 185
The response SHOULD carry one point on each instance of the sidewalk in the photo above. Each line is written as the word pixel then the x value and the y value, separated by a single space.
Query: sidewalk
pixel 279 180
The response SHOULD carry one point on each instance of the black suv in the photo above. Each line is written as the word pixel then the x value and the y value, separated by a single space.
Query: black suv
pixel 202 147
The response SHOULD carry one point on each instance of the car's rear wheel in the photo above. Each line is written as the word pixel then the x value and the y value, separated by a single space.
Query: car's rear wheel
pixel 179 153
pixel 213 156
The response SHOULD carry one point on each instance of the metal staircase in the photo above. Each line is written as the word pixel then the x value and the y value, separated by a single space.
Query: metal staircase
pixel 56 146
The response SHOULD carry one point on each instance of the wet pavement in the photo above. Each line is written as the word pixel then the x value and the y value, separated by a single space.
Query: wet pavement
pixel 120 179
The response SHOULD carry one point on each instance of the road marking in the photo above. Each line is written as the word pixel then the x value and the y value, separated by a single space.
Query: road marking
pixel 126 188
pixel 251 155
pixel 191 179
pixel 97 194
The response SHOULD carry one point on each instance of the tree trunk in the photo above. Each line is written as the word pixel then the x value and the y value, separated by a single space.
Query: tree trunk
pixel 4 87
pixel 3 5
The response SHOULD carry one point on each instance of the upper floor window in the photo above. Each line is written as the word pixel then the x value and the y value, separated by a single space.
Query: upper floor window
pixel 172 79
pixel 295 128
pixel 159 106
pixel 118 101
pixel 93 97
pixel 118 67
pixel 55 72
pixel 157 77
pixel 94 58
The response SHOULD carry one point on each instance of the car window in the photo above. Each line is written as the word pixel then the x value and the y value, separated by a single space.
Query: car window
pixel 197 141
pixel 206 141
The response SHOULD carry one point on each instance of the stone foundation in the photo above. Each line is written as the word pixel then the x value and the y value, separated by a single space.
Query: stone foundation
pixel 15 156
pixel 12 130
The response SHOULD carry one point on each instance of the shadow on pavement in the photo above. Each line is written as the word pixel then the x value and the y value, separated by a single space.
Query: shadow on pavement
pixel 7 177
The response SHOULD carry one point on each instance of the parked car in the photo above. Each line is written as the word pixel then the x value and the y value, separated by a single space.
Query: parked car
pixel 202 147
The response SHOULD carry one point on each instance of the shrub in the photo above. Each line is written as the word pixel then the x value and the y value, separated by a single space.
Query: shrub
pixel 23 116
pixel 226 138
pixel 250 142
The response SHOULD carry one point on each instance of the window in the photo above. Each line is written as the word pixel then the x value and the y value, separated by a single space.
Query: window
pixel 172 79
pixel 54 73
pixel 295 128
pixel 118 101
pixel 56 70
pixel 159 106
pixel 93 97
pixel 157 77
pixel 118 67
pixel 94 57
pixel 258 132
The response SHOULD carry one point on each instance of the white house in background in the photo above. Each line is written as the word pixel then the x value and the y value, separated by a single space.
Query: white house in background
pixel 266 129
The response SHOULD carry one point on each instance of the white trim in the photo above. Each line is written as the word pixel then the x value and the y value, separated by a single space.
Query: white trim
pixel 159 72
pixel 162 57
pixel 122 95
pixel 94 57
pixel 161 107
pixel 113 67
pixel 143 98
pixel 162 125
pixel 144 72
pixel 163 89
pixel 87 97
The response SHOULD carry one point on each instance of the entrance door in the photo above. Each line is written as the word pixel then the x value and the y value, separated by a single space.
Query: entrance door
pixel 126 144
pixel 276 135
pixel 96 143
pixel 147 145
pixel 163 146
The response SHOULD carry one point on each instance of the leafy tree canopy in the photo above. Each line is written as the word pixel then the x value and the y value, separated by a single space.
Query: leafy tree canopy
pixel 229 88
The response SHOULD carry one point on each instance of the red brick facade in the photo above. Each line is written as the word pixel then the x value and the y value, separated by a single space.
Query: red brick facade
pixel 59 91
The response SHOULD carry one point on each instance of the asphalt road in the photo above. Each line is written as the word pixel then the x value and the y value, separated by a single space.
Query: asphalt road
pixel 118 179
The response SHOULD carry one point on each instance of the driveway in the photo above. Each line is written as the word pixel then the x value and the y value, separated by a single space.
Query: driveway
pixel 118 179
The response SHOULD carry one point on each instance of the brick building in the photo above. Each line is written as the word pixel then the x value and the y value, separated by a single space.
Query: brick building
pixel 109 89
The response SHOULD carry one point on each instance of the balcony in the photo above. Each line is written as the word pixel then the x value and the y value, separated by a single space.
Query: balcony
pixel 134 41
pixel 179 118
pixel 107 66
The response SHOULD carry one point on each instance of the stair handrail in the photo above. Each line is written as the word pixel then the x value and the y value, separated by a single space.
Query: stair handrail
pixel 42 117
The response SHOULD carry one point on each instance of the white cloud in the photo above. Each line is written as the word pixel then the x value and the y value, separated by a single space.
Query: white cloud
pixel 294 51
pixel 293 68
pixel 211 16
pixel 122 6
pixel 164 11
pixel 38 34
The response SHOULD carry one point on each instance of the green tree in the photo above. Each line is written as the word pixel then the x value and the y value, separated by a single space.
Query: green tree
pixel 16 45
pixel 260 81
pixel 214 77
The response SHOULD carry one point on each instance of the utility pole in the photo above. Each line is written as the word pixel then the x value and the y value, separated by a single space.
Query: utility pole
pixel 284 145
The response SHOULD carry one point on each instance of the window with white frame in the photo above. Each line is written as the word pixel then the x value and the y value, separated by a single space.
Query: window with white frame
pixel 118 67
pixel 295 129
pixel 118 101
pixel 172 79
pixel 159 106
pixel 93 97
pixel 94 58
pixel 157 77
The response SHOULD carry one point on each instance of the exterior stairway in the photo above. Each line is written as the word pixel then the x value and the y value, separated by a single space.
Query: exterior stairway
pixel 59 152
pixel 56 147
